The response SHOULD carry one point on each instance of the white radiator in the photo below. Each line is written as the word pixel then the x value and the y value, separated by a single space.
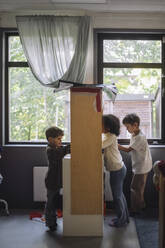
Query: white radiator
pixel 39 190
pixel 107 188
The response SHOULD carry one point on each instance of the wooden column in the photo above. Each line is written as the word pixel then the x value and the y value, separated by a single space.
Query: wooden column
pixel 162 211
pixel 84 212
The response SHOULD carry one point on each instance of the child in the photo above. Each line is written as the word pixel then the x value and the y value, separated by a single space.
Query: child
pixel 53 180
pixel 141 161
pixel 114 164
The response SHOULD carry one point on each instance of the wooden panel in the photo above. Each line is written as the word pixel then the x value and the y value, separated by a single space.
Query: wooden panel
pixel 86 157
pixel 162 212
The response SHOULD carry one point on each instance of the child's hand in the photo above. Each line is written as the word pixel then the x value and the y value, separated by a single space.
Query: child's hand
pixel 119 147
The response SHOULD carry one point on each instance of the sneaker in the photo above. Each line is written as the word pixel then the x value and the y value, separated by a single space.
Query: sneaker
pixel 115 224
pixel 114 219
pixel 134 214
pixel 53 228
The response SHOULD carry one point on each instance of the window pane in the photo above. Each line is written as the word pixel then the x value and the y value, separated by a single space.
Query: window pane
pixel 33 108
pixel 16 53
pixel 132 51
pixel 139 92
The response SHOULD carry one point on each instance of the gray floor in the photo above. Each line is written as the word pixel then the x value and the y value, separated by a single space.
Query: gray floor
pixel 18 231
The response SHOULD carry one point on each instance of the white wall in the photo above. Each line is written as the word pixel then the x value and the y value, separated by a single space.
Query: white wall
pixel 100 20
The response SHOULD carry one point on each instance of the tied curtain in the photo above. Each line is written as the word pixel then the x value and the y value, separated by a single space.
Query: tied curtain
pixel 55 47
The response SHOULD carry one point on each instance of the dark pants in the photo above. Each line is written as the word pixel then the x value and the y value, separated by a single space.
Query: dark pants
pixel 116 182
pixel 54 202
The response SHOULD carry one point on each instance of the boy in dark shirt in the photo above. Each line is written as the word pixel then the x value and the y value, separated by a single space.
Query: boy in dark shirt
pixel 53 180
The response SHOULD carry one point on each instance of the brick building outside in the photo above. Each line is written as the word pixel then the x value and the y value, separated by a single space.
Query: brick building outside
pixel 142 105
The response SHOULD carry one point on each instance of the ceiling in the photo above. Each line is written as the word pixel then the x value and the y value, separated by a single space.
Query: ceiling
pixel 85 5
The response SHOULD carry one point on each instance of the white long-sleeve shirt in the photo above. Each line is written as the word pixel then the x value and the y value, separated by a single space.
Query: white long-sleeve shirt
pixel 112 157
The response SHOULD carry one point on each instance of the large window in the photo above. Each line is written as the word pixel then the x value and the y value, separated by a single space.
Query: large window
pixel 134 62
pixel 30 107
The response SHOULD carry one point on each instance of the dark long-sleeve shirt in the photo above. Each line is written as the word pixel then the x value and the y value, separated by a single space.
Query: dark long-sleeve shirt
pixel 53 179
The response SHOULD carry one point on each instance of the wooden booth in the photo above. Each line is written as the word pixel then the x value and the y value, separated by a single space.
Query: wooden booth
pixel 83 172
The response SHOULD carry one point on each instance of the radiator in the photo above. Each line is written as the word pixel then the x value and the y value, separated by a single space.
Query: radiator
pixel 107 188
pixel 39 190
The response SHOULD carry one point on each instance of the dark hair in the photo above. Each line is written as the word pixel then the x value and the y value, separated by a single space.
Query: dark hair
pixel 131 119
pixel 111 123
pixel 53 132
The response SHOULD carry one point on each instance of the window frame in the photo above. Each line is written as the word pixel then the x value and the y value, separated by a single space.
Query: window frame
pixel 98 71
pixel 6 33
pixel 99 65
pixel 8 65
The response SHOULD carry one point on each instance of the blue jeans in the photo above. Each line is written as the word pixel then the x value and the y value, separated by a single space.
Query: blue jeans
pixel 116 182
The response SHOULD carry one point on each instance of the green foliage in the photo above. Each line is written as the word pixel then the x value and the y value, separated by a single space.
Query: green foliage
pixel 33 107
pixel 15 49
pixel 133 81
pixel 132 51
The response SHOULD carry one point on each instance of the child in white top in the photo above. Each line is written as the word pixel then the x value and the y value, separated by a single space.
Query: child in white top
pixel 111 152
pixel 114 164
pixel 141 161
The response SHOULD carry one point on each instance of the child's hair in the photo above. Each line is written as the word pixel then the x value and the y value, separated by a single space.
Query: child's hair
pixel 131 119
pixel 111 124
pixel 53 132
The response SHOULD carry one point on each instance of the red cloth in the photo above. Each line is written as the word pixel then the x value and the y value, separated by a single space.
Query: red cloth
pixel 35 215
pixel 59 213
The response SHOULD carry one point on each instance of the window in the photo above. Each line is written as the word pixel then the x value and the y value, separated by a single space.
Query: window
pixel 30 107
pixel 134 62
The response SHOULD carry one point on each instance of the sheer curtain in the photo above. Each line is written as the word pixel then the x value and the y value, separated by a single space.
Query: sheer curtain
pixel 55 47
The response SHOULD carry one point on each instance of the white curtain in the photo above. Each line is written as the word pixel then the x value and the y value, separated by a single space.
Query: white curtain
pixel 55 47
